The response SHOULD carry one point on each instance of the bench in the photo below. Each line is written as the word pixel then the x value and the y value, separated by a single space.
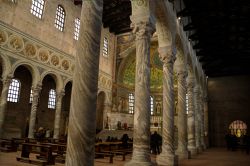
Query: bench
pixel 7 145
pixel 45 152
pixel 103 154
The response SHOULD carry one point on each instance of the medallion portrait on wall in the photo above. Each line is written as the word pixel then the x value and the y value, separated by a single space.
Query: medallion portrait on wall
pixel 3 37
pixel 54 60
pixel 30 50
pixel 65 64
pixel 16 43
pixel 43 55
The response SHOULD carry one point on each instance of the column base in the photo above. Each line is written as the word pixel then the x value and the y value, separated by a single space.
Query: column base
pixel 182 154
pixel 167 160
pixel 193 151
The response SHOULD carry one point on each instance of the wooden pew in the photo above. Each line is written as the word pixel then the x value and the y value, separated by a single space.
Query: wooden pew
pixel 58 148
pixel 43 150
pixel 7 145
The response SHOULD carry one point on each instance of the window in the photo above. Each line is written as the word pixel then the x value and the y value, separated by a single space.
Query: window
pixel 187 103
pixel 131 103
pixel 77 28
pixel 52 99
pixel 151 105
pixel 37 8
pixel 105 47
pixel 60 18
pixel 238 128
pixel 31 96
pixel 14 91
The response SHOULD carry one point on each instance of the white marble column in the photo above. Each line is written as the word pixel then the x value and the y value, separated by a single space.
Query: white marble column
pixel 82 118
pixel 3 102
pixel 197 118
pixel 167 157
pixel 203 145
pixel 182 150
pixel 143 29
pixel 191 116
pixel 59 97
pixel 35 92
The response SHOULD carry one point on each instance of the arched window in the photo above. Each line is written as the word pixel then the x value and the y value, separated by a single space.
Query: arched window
pixel 14 91
pixel 238 128
pixel 60 18
pixel 31 96
pixel 105 47
pixel 52 99
pixel 77 28
pixel 131 103
pixel 37 8
pixel 151 105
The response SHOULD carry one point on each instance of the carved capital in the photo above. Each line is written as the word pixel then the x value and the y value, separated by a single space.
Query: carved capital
pixel 167 54
pixel 7 80
pixel 142 29
pixel 60 94
pixel 36 89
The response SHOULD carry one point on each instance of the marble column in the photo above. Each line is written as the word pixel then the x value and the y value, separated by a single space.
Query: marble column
pixel 206 122
pixel 167 157
pixel 3 102
pixel 143 29
pixel 59 97
pixel 203 145
pixel 191 116
pixel 197 118
pixel 35 92
pixel 182 150
pixel 82 118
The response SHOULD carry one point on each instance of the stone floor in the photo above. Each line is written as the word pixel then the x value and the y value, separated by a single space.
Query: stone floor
pixel 211 157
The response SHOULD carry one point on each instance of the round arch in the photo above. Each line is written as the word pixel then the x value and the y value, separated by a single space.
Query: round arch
pixel 33 70
pixel 56 77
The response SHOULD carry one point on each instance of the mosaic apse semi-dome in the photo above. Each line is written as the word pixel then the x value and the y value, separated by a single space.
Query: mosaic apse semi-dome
pixel 128 71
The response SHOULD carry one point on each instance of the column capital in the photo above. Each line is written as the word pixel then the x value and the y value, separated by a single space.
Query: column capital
pixel 142 29
pixel 7 79
pixel 36 88
pixel 167 54
pixel 60 93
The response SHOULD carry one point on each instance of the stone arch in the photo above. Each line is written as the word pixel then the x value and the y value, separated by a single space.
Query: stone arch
pixel 68 80
pixel 33 70
pixel 56 77
pixel 101 97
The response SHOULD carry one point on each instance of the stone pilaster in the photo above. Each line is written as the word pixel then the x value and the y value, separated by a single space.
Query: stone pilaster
pixel 167 157
pixel 143 29
pixel 197 118
pixel 82 119
pixel 35 93
pixel 3 102
pixel 59 97
pixel 191 116
pixel 182 115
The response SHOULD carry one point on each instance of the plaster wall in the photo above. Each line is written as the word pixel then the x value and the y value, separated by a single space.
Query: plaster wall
pixel 229 100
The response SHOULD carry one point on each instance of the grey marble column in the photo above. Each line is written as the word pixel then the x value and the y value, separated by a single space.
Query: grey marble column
pixel 143 30
pixel 167 157
pixel 82 118
pixel 191 116
pixel 197 118
pixel 59 97
pixel 36 92
pixel 182 150
pixel 3 102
